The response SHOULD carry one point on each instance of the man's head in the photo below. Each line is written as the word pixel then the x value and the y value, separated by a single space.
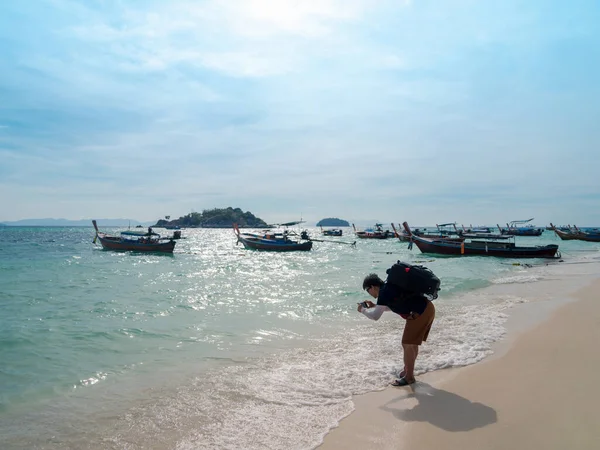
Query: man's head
pixel 371 284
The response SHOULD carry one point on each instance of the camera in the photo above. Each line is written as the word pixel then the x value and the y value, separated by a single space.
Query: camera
pixel 364 304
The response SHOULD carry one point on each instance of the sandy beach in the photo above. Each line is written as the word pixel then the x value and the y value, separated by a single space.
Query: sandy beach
pixel 541 392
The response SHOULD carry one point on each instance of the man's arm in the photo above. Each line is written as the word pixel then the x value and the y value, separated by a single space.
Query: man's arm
pixel 374 313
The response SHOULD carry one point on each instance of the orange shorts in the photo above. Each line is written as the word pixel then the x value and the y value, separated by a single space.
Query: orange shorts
pixel 416 330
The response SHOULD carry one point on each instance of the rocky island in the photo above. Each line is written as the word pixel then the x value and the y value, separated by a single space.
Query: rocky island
pixel 215 218
pixel 332 222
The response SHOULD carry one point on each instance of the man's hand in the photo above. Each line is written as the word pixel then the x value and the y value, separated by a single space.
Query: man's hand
pixel 365 304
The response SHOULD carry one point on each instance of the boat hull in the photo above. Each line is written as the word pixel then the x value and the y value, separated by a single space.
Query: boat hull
pixel 367 235
pixel 118 244
pixel 567 236
pixel 275 246
pixel 523 232
pixel 576 235
pixel 588 237
pixel 377 233
pixel 483 248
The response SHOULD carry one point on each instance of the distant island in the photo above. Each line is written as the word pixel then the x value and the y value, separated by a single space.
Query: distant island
pixel 215 218
pixel 332 222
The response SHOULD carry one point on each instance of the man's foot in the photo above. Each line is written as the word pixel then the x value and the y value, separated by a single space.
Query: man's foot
pixel 402 382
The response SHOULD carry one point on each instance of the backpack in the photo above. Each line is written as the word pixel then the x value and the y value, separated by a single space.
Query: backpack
pixel 415 279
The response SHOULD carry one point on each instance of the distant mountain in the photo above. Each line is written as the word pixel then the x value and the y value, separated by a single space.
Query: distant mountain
pixel 332 222
pixel 75 223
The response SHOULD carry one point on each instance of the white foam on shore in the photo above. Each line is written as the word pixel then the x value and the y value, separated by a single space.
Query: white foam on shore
pixel 520 278
pixel 294 398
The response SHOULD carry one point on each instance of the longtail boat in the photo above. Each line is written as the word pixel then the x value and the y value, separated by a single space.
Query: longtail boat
pixel 570 235
pixel 373 233
pixel 589 236
pixel 515 228
pixel 331 232
pixel 405 237
pixel 402 235
pixel 481 247
pixel 136 241
pixel 273 242
pixel 577 234
pixel 477 230
pixel 482 233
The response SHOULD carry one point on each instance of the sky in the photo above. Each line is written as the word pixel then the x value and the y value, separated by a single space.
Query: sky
pixel 479 112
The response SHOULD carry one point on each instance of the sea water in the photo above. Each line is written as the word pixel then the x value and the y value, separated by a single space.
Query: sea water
pixel 218 347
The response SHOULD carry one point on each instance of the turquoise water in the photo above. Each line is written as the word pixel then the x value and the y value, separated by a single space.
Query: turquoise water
pixel 215 346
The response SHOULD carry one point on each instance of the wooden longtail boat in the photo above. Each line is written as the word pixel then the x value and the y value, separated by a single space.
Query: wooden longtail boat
pixel 481 232
pixel 565 235
pixel 513 229
pixel 477 230
pixel 481 247
pixel 273 242
pixel 136 241
pixel 405 237
pixel 577 235
pixel 331 232
pixel 588 236
pixel 402 235
pixel 377 233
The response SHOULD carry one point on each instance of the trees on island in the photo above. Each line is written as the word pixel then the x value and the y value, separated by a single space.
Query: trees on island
pixel 332 222
pixel 215 218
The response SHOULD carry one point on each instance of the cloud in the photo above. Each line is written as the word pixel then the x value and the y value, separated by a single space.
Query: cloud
pixel 310 18
pixel 388 109
pixel 246 38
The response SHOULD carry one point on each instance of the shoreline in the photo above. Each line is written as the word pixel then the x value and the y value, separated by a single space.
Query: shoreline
pixel 437 404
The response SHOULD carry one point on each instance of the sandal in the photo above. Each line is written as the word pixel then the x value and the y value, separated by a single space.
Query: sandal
pixel 401 382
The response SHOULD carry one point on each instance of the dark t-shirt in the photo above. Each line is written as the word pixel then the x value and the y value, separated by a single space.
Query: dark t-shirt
pixel 401 302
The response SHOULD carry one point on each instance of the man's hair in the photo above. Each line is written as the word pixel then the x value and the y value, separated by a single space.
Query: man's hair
pixel 372 280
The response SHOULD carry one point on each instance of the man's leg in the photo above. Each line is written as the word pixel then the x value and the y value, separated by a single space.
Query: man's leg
pixel 410 356
pixel 402 373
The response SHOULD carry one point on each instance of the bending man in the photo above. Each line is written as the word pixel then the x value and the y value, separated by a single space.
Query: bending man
pixel 416 309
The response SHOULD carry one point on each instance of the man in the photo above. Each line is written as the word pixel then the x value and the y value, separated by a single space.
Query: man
pixel 418 311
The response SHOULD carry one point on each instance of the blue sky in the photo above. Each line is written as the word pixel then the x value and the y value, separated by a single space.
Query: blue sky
pixel 426 111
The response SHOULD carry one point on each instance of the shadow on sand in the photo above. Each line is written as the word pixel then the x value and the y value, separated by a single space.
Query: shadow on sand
pixel 442 409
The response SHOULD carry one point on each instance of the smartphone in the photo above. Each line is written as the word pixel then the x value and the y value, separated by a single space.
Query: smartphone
pixel 364 304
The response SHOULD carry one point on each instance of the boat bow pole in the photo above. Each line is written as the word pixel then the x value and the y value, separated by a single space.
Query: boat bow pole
pixel 96 227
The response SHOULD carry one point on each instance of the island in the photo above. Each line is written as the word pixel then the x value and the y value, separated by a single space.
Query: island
pixel 214 218
pixel 332 222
